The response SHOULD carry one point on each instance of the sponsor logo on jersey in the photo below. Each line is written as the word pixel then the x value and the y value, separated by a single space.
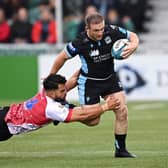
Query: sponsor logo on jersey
pixel 94 53
pixel 108 40
pixel 71 47
pixel 29 104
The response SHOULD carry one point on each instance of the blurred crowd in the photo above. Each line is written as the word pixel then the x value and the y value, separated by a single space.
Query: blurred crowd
pixel 34 21
pixel 28 21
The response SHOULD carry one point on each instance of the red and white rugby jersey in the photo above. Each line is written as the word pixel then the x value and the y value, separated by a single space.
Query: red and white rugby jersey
pixel 35 113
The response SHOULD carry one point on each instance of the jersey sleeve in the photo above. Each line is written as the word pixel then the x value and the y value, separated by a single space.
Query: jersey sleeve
pixel 72 48
pixel 57 111
pixel 121 32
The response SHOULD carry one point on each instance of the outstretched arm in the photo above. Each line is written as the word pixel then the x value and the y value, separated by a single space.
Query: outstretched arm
pixel 93 111
pixel 59 62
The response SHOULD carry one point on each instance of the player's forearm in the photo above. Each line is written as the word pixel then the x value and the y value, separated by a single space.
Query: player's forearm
pixel 72 81
pixel 56 66
pixel 70 84
pixel 58 63
pixel 94 112
pixel 134 39
pixel 88 113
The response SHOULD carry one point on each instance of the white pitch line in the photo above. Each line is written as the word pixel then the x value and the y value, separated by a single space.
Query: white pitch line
pixel 148 106
pixel 84 153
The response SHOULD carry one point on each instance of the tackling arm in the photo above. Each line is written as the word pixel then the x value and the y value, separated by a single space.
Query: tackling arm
pixel 93 111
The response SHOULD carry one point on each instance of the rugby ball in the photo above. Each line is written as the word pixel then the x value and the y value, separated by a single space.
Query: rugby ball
pixel 118 47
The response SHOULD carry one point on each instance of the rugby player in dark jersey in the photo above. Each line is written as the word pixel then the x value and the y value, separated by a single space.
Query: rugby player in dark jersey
pixel 97 77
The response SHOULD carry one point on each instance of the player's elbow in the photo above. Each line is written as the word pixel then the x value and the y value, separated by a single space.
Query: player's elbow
pixel 92 123
pixel 64 56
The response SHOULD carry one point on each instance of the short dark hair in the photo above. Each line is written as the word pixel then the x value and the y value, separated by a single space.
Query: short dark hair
pixel 44 2
pixel 52 81
pixel 94 18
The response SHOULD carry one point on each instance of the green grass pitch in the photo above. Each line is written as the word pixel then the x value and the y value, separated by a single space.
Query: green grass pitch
pixel 78 146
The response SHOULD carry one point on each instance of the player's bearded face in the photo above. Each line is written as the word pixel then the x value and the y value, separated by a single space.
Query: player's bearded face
pixel 61 92
pixel 95 31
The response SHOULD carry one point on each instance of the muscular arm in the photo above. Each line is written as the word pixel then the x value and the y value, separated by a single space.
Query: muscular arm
pixel 59 62
pixel 72 81
pixel 131 46
pixel 93 111
pixel 134 40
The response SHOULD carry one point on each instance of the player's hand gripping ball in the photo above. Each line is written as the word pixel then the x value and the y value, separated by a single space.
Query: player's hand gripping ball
pixel 118 48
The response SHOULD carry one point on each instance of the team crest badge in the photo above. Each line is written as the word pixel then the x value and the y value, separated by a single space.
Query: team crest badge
pixel 108 40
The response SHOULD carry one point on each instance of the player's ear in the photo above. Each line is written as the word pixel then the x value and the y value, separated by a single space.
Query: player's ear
pixel 86 27
pixel 51 94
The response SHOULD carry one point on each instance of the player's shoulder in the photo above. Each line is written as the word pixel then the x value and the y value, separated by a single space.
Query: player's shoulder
pixel 80 42
pixel 109 28
pixel 81 39
pixel 114 30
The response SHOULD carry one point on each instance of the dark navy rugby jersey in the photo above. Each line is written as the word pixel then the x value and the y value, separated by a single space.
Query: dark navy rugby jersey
pixel 95 56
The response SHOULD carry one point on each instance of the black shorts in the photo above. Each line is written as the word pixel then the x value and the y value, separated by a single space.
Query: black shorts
pixel 91 90
pixel 4 131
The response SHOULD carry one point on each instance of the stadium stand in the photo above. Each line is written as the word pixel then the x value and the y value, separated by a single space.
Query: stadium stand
pixel 156 40
pixel 135 10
